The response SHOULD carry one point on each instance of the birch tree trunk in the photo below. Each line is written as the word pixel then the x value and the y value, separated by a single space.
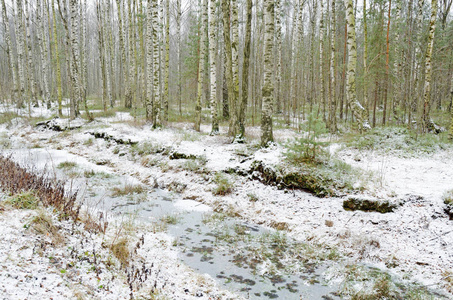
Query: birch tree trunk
pixel 30 69
pixel 103 78
pixel 122 48
pixel 333 71
pixel 201 59
pixel 426 121
pixel 235 56
pixel 167 61
pixel 278 59
pixel 9 52
pixel 57 59
pixel 268 88
pixel 75 61
pixel 365 58
pixel 156 83
pixel 321 62
pixel 149 61
pixel 20 52
pixel 294 47
pixel 129 90
pixel 213 69
pixel 356 107
pixel 245 70
pixel 229 66
pixel 387 68
pixel 450 132
pixel 179 69
pixel 397 91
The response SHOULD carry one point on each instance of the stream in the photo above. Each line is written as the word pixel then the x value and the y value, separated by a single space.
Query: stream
pixel 245 258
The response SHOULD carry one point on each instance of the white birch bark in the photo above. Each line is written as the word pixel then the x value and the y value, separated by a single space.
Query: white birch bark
pixel 20 52
pixel 333 70
pixel 122 47
pixel 201 59
pixel 426 121
pixel 356 107
pixel 167 61
pixel 9 52
pixel 212 67
pixel 30 69
pixel 268 87
pixel 321 62
pixel 156 83
pixel 149 61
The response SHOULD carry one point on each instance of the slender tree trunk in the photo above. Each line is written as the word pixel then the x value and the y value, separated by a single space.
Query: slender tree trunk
pixel 268 87
pixel 426 121
pixel 179 70
pixel 167 61
pixel 201 61
pixel 387 77
pixel 229 65
pixel 130 79
pixel 278 58
pixel 75 61
pixel 450 132
pixel 321 62
pixel 213 69
pixel 149 61
pixel 30 70
pixel 245 70
pixel 102 54
pixel 333 70
pixel 397 90
pixel 365 63
pixel 156 83
pixel 417 57
pixel 122 48
pixel 356 107
pixel 9 52
pixel 20 53
pixel 294 50
pixel 234 124
pixel 57 58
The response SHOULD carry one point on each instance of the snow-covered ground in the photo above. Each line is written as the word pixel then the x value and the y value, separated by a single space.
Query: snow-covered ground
pixel 414 242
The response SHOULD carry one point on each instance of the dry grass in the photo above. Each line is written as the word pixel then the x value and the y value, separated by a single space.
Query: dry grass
pixel 128 189
pixel 121 251
pixel 23 200
pixel 15 180
pixel 43 224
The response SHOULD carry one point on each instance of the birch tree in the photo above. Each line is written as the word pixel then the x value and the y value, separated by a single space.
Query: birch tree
pixel 20 52
pixel 156 83
pixel 268 88
pixel 212 68
pixel 149 61
pixel 167 61
pixel 229 66
pixel 201 59
pixel 245 71
pixel 57 63
pixel 356 107
pixel 426 121
pixel 9 52
pixel 333 70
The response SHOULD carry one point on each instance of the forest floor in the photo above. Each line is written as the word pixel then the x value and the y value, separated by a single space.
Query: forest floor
pixel 410 246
